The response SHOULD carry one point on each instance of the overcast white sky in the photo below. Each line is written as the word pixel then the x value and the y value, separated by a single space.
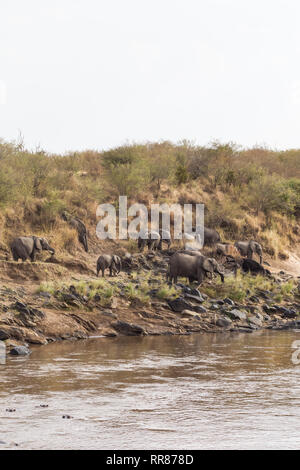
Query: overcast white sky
pixel 77 74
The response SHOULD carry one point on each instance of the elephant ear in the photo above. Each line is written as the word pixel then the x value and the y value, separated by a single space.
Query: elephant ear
pixel 208 265
pixel 37 243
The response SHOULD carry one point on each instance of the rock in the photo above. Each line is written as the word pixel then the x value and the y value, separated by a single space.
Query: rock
pixel 45 295
pixel 190 314
pixel 199 309
pixel 255 321
pixel 290 314
pixel 254 299
pixel 228 301
pixel 269 309
pixel 194 297
pixel 25 310
pixel 4 335
pixel 260 316
pixel 265 294
pixel 236 314
pixel 129 329
pixel 196 292
pixel 179 304
pixel 223 322
pixel 215 306
pixel 20 351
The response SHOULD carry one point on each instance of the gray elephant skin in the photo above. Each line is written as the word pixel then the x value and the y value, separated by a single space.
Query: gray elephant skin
pixel 211 236
pixel 193 267
pixel 249 248
pixel 165 237
pixel 151 239
pixel 253 267
pixel 27 247
pixel 79 226
pixel 111 262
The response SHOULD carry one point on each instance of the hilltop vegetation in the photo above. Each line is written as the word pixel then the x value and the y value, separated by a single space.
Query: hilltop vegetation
pixel 248 193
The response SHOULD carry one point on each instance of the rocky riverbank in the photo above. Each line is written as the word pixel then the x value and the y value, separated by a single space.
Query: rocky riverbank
pixel 139 302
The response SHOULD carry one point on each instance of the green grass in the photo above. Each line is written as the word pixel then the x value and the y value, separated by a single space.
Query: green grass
pixel 246 285
pixel 100 287
pixel 166 292
pixel 140 293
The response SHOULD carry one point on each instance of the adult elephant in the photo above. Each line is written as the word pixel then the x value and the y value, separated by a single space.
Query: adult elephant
pixel 211 236
pixel 27 247
pixel 192 267
pixel 249 248
pixel 150 238
pixel 165 236
pixel 79 226
pixel 111 262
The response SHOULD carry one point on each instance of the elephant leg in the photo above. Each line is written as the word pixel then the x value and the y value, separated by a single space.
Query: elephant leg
pixel 15 256
pixel 200 276
pixel 221 275
pixel 32 257
pixel 102 272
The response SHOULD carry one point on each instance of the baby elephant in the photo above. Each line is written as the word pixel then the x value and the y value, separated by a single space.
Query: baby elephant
pixel 112 262
pixel 27 247
pixel 252 266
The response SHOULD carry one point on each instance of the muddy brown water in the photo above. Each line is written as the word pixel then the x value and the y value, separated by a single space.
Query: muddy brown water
pixel 204 391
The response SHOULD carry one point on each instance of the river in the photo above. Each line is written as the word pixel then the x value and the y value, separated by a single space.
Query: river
pixel 204 391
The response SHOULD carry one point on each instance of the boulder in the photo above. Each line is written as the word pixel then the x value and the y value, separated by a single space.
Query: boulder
pixel 255 321
pixel 195 298
pixel 20 351
pixel 223 322
pixel 129 329
pixel 236 314
pixel 179 304
pixel 4 335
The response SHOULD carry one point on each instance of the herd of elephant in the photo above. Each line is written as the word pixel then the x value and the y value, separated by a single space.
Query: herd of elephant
pixel 188 262
pixel 195 266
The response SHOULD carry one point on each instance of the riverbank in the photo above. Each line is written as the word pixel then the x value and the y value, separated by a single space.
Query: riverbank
pixel 51 301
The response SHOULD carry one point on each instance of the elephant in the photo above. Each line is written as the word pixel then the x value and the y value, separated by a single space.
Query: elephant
pixel 193 267
pixel 152 240
pixel 26 247
pixel 79 226
pixel 165 236
pixel 249 265
pixel 211 236
pixel 112 262
pixel 248 248
pixel 226 249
